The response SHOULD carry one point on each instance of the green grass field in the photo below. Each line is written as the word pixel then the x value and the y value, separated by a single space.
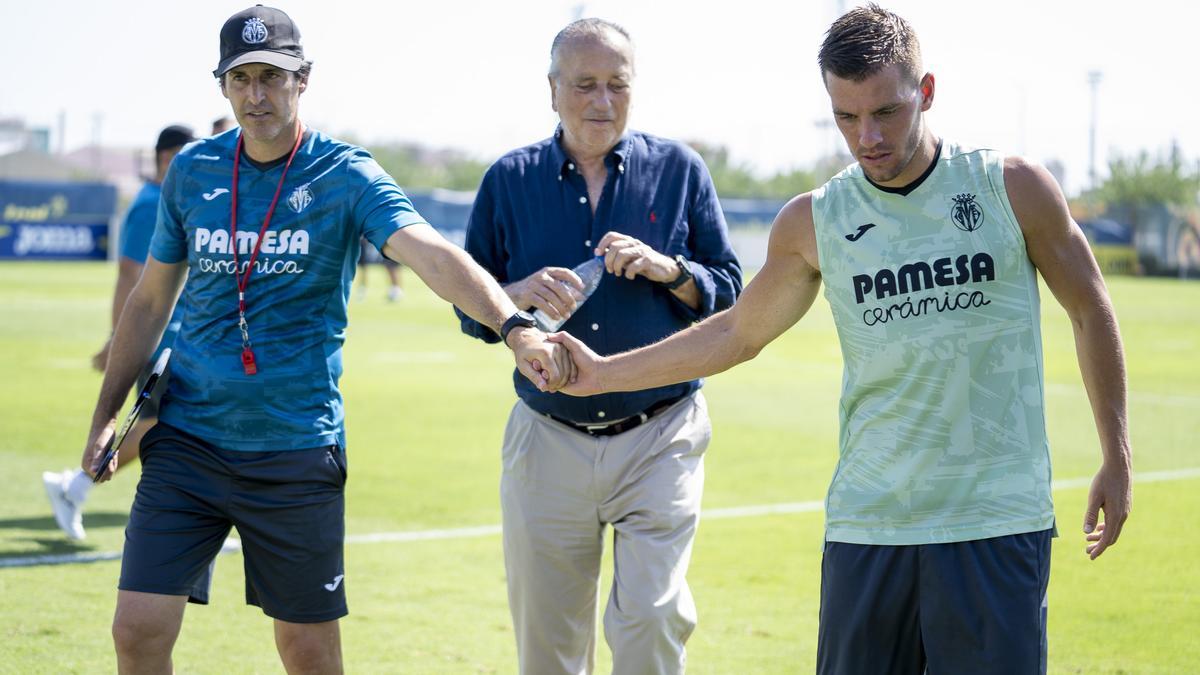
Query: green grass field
pixel 426 408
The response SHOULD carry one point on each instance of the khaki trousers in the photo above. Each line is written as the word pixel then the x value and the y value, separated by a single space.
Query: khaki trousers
pixel 559 489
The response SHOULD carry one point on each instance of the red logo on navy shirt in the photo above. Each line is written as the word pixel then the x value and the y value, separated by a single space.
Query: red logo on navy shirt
pixel 653 218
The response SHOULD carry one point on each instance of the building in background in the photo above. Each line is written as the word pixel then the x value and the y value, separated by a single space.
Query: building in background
pixel 56 207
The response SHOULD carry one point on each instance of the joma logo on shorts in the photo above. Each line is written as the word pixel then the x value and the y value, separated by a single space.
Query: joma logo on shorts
pixel 920 276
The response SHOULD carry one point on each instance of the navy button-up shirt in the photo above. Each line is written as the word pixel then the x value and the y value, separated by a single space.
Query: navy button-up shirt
pixel 532 211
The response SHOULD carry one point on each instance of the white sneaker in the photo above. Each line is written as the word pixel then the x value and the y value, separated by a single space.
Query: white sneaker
pixel 395 293
pixel 231 545
pixel 67 513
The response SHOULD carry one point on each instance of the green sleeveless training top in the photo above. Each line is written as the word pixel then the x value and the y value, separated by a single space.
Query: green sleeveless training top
pixel 943 435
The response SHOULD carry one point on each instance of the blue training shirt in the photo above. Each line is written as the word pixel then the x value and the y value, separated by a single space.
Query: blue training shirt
pixel 532 211
pixel 296 298
pixel 134 243
pixel 138 228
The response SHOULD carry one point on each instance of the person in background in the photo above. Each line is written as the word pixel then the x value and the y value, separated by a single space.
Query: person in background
pixel 68 490
pixel 222 124
pixel 369 256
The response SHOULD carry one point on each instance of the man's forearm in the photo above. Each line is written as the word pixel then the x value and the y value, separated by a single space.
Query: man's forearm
pixel 478 294
pixel 1102 364
pixel 707 348
pixel 455 277
pixel 138 331
pixel 128 272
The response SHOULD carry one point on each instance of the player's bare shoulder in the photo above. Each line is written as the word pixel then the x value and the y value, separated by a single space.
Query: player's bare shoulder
pixel 794 233
pixel 1024 178
pixel 1034 194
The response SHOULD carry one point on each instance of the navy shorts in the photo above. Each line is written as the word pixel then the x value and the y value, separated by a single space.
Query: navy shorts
pixel 288 507
pixel 967 607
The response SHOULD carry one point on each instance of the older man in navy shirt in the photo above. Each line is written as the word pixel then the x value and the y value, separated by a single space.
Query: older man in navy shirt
pixel 632 460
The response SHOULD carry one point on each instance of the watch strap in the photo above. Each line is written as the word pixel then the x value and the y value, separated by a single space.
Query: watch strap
pixel 520 319
pixel 685 274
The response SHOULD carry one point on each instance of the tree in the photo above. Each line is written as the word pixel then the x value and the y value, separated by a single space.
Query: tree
pixel 1143 181
pixel 416 167
pixel 738 180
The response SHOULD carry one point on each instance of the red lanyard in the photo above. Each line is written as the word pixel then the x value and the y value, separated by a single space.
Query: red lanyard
pixel 248 363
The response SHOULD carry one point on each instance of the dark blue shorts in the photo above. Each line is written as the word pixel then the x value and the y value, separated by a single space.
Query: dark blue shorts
pixel 968 607
pixel 288 507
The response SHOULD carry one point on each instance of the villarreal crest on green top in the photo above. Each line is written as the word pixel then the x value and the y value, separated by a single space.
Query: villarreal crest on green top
pixel 943 435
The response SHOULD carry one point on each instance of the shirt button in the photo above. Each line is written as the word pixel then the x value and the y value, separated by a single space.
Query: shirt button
pixel 595 326
pixel 588 242
pixel 560 176
pixel 600 414
pixel 583 200
pixel 621 168
pixel 571 167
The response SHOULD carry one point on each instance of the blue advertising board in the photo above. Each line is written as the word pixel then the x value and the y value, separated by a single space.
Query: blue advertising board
pixel 55 221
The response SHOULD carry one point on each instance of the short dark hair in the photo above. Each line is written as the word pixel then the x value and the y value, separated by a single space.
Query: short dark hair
pixel 174 137
pixel 866 40
pixel 582 29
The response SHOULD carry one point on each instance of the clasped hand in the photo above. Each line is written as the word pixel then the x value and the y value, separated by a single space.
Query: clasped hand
pixel 556 362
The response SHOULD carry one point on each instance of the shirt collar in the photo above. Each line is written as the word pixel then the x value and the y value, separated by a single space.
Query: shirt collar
pixel 618 156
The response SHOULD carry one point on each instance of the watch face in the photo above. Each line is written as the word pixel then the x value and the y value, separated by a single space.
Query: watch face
pixel 520 319
pixel 685 273
pixel 683 266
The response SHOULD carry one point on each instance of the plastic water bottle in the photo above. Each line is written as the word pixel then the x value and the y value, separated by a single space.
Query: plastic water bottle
pixel 591 272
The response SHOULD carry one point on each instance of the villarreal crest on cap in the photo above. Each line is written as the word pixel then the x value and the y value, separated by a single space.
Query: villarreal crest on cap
pixel 260 35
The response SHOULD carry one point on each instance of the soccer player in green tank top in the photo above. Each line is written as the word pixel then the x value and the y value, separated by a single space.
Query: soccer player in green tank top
pixel 938 519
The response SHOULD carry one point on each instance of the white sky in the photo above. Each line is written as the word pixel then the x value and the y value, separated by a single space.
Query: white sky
pixel 470 74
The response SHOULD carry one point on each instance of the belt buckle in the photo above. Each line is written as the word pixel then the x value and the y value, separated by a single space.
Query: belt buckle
pixel 619 426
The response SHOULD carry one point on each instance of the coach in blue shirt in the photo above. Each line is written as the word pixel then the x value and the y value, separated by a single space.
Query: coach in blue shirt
pixel 631 460
pixel 264 223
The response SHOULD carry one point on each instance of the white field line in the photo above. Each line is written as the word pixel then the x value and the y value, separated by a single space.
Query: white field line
pixel 1145 477
pixel 62 559
pixel 424 535
pixel 493 530
pixel 1186 400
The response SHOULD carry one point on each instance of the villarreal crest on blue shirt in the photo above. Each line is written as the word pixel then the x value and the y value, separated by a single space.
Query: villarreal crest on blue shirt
pixel 333 194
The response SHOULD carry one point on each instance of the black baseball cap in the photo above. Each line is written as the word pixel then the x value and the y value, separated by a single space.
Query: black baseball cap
pixel 174 136
pixel 260 35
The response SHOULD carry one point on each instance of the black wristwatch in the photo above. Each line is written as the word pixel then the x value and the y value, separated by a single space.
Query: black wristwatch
pixel 685 274
pixel 521 319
